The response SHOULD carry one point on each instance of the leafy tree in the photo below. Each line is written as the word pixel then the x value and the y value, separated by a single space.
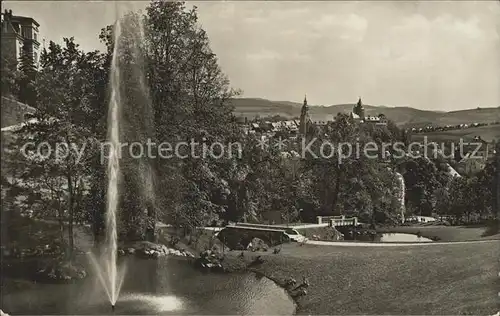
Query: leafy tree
pixel 67 93
pixel 421 179
pixel 443 201
pixel 187 93
pixel 9 74
pixel 26 78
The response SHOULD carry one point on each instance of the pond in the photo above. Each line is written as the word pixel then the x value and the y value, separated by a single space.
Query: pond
pixel 160 287
pixel 400 237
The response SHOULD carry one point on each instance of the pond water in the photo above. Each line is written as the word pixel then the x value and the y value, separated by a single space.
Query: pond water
pixel 160 287
pixel 400 237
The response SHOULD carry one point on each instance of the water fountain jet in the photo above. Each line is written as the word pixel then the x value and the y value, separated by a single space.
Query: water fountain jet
pixel 127 71
pixel 106 266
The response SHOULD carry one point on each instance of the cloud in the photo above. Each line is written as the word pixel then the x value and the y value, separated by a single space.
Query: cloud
pixel 427 54
pixel 468 28
pixel 263 55
pixel 348 27
pixel 349 21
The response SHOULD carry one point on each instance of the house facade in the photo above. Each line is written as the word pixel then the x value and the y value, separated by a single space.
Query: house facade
pixel 20 34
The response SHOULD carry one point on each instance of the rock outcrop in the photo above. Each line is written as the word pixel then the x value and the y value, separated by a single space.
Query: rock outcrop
pixel 61 271
pixel 152 250
pixel 210 260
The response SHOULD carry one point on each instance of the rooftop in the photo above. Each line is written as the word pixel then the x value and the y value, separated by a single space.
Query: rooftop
pixel 19 18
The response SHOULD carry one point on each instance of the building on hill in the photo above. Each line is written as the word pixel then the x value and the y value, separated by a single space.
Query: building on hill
pixel 474 148
pixel 359 110
pixel 310 123
pixel 292 126
pixel 321 120
pixel 18 33
pixel 355 117
pixel 304 118
pixel 470 166
pixel 359 116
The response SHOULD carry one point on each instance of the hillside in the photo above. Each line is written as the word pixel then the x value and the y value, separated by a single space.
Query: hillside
pixel 251 107
pixel 488 133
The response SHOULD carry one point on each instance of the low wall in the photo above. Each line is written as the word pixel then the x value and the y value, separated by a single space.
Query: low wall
pixel 13 112
pixel 326 233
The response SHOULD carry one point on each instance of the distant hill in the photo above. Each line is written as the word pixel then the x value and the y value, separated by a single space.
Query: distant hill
pixel 251 107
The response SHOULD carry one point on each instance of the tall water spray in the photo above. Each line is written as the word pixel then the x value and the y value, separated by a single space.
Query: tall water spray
pixel 129 103
pixel 401 195
pixel 106 266
pixel 113 170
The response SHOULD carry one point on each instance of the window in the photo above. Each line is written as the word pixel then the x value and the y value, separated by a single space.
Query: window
pixel 35 36
pixel 35 57
pixel 20 48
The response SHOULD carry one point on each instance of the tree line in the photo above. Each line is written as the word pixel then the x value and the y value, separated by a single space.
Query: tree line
pixel 172 88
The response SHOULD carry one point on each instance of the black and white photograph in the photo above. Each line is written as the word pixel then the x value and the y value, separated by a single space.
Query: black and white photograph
pixel 250 157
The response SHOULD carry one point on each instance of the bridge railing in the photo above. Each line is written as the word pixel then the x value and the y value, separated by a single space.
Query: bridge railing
pixel 337 220
pixel 344 222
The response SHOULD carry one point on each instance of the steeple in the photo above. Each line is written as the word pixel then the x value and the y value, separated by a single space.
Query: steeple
pixel 359 109
pixel 304 117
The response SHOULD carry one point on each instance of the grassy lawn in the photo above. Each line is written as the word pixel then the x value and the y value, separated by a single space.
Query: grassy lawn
pixel 436 279
pixel 445 233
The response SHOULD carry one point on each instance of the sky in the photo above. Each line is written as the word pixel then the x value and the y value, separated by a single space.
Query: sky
pixel 432 55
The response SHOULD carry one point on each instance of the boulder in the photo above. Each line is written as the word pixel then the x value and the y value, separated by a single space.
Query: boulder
pixel 61 271
pixel 152 250
pixel 257 244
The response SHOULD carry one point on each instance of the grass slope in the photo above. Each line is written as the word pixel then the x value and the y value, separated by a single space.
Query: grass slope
pixel 250 107
pixel 408 280
pixel 487 133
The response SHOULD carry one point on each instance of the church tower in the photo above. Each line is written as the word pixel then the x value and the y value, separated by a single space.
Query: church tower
pixel 304 118
pixel 359 109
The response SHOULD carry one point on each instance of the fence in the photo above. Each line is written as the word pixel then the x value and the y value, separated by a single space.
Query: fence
pixel 336 221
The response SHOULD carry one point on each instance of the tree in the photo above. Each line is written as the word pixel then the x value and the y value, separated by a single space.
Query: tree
pixel 443 201
pixel 27 76
pixel 9 74
pixel 458 201
pixel 421 178
pixel 67 95
pixel 188 96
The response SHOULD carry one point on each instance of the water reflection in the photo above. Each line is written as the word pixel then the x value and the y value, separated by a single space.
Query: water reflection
pixel 400 237
pixel 160 287
pixel 156 303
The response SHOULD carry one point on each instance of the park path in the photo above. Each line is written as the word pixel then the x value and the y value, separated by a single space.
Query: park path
pixel 393 244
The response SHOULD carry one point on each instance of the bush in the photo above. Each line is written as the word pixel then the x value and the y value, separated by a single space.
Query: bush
pixel 492 228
